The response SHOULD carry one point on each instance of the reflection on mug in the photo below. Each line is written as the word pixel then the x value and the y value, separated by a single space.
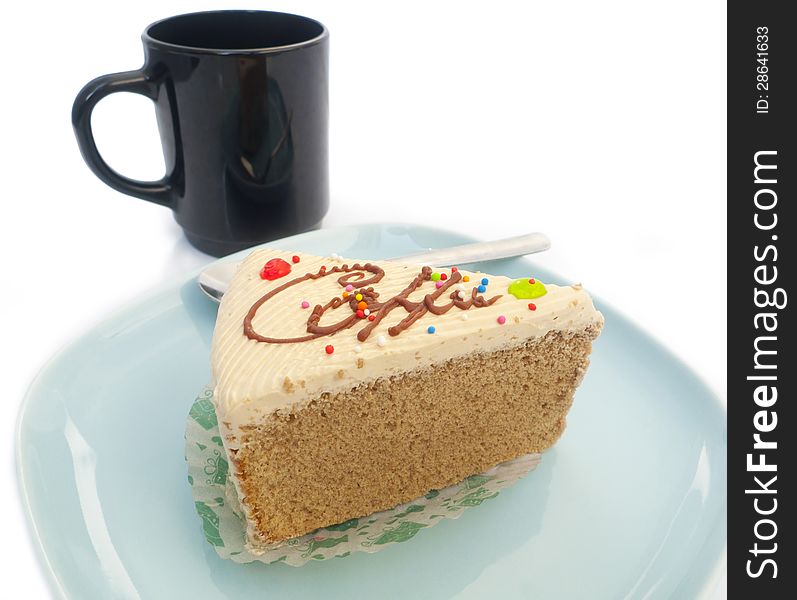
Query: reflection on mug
pixel 258 151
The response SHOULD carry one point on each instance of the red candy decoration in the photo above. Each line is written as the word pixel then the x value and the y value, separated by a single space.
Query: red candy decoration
pixel 443 276
pixel 532 306
pixel 454 269
pixel 360 314
pixel 274 269
pixel 532 281
pixel 371 317
pixel 329 349
pixel 295 259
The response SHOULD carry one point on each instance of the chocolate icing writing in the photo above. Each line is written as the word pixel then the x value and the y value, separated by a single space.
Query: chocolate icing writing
pixel 356 275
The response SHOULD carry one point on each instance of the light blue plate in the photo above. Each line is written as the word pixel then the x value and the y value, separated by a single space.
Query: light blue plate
pixel 629 504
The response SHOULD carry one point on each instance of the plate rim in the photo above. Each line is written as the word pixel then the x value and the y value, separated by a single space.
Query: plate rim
pixel 708 581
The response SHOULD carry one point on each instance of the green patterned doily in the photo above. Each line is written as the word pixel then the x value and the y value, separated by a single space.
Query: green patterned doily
pixel 217 505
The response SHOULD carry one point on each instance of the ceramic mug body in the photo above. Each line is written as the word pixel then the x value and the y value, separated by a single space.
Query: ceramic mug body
pixel 241 100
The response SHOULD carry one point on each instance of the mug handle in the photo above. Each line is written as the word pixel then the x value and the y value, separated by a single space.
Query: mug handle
pixel 159 192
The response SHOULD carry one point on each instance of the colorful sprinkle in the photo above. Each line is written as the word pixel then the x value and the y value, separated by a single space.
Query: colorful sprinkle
pixel 454 269
pixel 349 288
pixel 329 349
pixel 465 278
pixel 485 281
pixel 371 317
pixel 360 314
pixel 501 320
pixel 532 306
pixel 358 348
pixel 367 312
pixel 435 276
pixel 524 289
pixel 345 294
pixel 438 284
pixel 358 297
pixel 361 305
pixel 274 269
pixel 430 329
pixel 381 341
pixel 305 304
pixel 481 289
pixel 295 259
pixel 443 276
pixel 461 295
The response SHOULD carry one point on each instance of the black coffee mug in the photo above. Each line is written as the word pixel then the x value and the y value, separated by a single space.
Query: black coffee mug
pixel 241 99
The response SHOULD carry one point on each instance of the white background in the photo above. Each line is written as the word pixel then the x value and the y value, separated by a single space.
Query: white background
pixel 599 123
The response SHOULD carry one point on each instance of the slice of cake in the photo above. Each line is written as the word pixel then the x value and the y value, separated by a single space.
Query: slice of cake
pixel 346 387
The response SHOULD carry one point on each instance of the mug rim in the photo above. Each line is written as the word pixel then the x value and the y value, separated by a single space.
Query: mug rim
pixel 154 42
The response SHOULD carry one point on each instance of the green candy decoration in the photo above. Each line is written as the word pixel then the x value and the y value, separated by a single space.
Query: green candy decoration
pixel 524 289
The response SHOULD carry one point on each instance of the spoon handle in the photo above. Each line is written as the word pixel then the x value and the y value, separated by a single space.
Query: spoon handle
pixel 480 251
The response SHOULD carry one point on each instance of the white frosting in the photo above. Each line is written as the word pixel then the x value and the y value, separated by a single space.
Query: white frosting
pixel 254 379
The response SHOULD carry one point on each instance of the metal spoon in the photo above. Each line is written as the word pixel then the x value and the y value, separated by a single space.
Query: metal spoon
pixel 215 280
